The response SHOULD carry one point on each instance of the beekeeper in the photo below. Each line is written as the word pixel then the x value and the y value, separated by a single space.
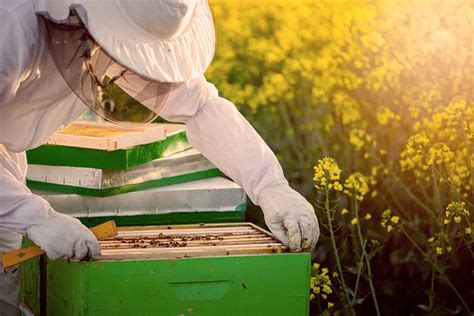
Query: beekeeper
pixel 129 61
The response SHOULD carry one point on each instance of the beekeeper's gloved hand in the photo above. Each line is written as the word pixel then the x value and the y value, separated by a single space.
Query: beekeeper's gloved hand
pixel 290 217
pixel 62 236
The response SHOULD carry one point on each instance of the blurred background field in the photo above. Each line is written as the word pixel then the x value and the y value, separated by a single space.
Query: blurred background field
pixel 386 88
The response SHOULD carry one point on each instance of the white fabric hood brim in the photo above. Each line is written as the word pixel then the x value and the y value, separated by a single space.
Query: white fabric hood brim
pixel 175 60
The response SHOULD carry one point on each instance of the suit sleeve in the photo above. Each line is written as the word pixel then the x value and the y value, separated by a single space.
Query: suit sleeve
pixel 216 128
pixel 17 203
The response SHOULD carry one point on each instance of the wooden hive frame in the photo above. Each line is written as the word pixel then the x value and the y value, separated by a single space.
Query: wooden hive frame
pixel 185 241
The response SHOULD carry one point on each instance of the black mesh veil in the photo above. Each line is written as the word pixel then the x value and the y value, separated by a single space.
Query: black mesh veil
pixel 109 89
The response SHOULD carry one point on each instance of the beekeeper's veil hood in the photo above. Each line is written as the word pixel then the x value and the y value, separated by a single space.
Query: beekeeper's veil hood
pixel 117 55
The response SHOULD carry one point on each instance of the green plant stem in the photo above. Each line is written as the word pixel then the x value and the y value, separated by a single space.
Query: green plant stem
pixel 437 268
pixel 336 253
pixel 432 292
pixel 469 154
pixel 364 254
pixel 436 194
pixel 406 189
pixel 361 261
pixel 415 198
pixel 455 191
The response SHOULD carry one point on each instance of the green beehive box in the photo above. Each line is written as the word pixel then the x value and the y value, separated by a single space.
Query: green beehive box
pixel 234 269
pixel 106 146
pixel 188 165
pixel 213 200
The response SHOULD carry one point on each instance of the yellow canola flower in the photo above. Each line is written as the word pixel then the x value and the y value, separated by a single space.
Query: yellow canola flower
pixel 330 305
pixel 344 211
pixel 468 231
pixel 354 221
pixel 389 221
pixel 368 216
pixel 440 153
pixel 327 174
pixel 358 138
pixel 327 289
pixel 386 115
pixel 320 282
pixel 455 211
pixel 357 184
pixel 412 156
pixel 446 150
pixel 441 243
pixel 337 186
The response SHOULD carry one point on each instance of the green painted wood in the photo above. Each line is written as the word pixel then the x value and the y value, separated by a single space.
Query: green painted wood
pixel 121 159
pixel 125 188
pixel 171 218
pixel 30 281
pixel 276 284
pixel 29 271
pixel 78 283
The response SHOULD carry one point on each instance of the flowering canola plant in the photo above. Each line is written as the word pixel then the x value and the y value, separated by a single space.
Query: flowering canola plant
pixel 386 89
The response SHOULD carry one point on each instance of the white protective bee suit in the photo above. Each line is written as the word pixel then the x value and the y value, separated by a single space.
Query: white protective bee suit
pixel 36 101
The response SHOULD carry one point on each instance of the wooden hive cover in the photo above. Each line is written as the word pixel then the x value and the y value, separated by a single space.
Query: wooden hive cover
pixel 102 145
pixel 185 241
pixel 109 136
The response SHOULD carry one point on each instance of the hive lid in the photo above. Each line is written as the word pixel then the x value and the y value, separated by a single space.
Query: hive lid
pixel 187 241
pixel 87 144
pixel 109 136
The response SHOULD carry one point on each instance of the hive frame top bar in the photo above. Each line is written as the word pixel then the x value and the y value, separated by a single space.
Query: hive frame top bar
pixel 185 226
pixel 189 241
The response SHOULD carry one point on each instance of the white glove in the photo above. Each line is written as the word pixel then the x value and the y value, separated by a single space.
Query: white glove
pixel 62 236
pixel 290 217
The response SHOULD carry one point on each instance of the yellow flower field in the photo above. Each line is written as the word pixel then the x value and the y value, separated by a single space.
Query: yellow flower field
pixel 385 88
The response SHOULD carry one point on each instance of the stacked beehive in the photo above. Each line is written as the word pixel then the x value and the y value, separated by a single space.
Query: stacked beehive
pixel 135 175
pixel 149 177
